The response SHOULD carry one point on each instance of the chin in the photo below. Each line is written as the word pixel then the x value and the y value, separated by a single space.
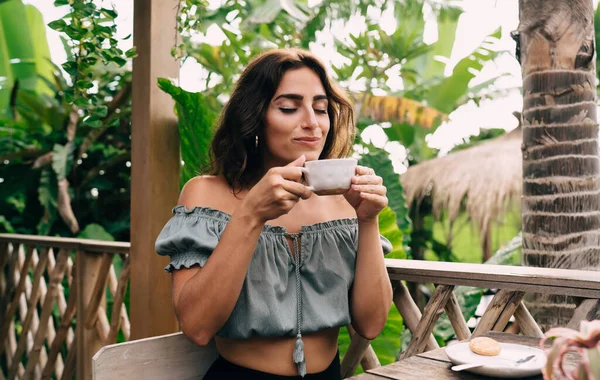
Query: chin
pixel 312 156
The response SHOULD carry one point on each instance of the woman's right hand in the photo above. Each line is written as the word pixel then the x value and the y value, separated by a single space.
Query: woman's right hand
pixel 277 192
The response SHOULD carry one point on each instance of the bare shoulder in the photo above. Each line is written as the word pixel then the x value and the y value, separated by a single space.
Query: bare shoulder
pixel 204 191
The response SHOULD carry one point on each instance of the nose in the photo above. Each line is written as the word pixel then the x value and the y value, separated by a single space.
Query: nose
pixel 310 120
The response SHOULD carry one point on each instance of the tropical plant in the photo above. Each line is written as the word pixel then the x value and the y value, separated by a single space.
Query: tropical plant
pixel 586 342
pixel 69 144
pixel 24 52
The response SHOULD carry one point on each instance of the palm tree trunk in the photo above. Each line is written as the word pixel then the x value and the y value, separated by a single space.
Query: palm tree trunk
pixel 561 181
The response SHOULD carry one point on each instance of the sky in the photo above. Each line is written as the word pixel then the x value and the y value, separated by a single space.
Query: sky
pixel 480 18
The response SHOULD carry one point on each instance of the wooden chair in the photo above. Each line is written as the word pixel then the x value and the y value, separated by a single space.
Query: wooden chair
pixel 171 356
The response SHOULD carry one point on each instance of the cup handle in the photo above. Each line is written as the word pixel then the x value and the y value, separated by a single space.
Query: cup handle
pixel 305 171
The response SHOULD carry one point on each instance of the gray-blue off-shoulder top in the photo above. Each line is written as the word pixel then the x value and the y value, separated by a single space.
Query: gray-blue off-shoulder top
pixel 286 291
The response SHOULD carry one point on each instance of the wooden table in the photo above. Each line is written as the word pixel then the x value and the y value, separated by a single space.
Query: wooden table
pixel 435 364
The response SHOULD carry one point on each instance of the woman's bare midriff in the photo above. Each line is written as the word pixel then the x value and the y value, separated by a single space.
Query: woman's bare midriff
pixel 274 355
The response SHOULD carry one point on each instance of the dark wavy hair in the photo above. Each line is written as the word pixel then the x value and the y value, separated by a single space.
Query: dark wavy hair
pixel 233 151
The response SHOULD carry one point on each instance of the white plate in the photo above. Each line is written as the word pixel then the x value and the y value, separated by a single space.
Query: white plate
pixel 502 364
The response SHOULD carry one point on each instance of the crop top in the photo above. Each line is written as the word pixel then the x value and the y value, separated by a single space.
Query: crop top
pixel 285 292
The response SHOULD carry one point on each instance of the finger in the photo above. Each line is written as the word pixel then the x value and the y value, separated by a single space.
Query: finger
pixel 375 198
pixel 367 180
pixel 363 170
pixel 372 189
pixel 292 173
pixel 285 195
pixel 297 162
pixel 297 189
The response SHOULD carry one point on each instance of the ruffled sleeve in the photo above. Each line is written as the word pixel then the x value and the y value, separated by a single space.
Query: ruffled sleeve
pixel 189 237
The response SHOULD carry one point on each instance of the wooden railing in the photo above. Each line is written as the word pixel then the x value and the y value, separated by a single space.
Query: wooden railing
pixel 512 281
pixel 45 285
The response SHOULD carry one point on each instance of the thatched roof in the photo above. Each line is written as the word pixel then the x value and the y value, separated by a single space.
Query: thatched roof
pixel 481 181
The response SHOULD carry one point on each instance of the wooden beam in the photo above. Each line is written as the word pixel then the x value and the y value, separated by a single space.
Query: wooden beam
pixel 432 312
pixel 457 319
pixel 572 282
pixel 155 166
pixel 498 312
pixel 526 322
pixel 410 311
pixel 587 311
pixel 356 350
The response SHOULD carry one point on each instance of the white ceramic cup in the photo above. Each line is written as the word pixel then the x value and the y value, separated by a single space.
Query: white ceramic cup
pixel 329 177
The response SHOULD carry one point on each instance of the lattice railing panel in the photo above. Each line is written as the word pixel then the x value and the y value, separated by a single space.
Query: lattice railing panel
pixel 39 300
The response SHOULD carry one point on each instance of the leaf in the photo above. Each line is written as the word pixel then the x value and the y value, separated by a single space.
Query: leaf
pixel 446 95
pixel 196 122
pixel 389 229
pixel 401 110
pixel 70 67
pixel 101 111
pixel 266 13
pixel 378 160
pixel 58 25
pixel 6 226
pixel 110 13
pixel 403 133
pixel 96 232
pixel 119 61
pixel 131 53
pixel 62 159
pixel 293 10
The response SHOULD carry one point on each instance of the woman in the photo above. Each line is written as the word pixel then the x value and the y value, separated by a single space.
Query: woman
pixel 258 262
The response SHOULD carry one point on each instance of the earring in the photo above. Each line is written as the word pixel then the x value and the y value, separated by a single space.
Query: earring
pixel 256 143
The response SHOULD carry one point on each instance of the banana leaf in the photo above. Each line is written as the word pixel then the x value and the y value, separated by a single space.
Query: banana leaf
pixel 379 161
pixel 6 77
pixel 196 123
pixel 446 95
pixel 42 56
pixel 19 44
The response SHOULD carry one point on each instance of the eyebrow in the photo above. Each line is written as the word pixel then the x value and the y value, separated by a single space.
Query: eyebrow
pixel 300 97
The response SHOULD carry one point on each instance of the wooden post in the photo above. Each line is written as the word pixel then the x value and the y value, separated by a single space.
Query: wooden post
pixel 88 342
pixel 155 166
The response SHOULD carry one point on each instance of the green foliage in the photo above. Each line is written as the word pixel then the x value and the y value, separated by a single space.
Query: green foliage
pixel 91 31
pixel 96 232
pixel 24 53
pixel 389 229
pixel 379 161
pixel 196 122
pixel 446 95
pixel 76 130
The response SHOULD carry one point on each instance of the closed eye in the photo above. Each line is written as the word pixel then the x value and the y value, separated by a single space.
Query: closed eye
pixel 322 111
pixel 288 110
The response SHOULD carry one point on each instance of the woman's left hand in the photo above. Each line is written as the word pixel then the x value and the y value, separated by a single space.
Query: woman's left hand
pixel 367 194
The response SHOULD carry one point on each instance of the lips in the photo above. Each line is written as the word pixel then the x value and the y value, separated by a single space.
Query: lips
pixel 307 139
pixel 310 141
